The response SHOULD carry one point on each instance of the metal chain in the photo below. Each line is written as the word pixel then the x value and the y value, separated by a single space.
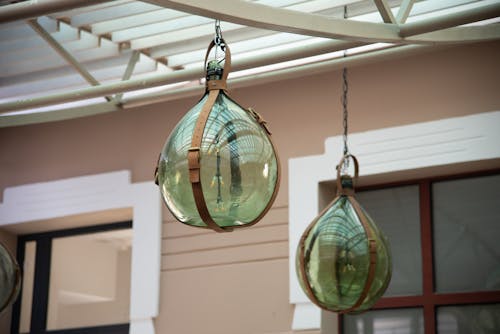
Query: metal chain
pixel 345 90
pixel 218 38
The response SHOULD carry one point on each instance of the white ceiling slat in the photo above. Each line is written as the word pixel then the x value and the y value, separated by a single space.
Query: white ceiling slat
pixel 206 30
pixel 201 42
pixel 404 11
pixel 197 43
pixel 33 9
pixel 428 6
pixel 425 9
pixel 47 74
pixel 159 28
pixel 261 44
pixel 87 9
pixel 318 5
pixel 65 34
pixel 71 80
pixel 24 31
pixel 87 41
pixel 110 13
pixel 63 53
pixel 256 15
pixel 385 11
pixel 135 20
pixel 179 35
pixel 278 3
pixel 107 49
pixel 11 25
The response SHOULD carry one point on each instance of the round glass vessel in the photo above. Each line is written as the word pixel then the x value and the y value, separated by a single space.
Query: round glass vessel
pixel 10 278
pixel 239 168
pixel 333 259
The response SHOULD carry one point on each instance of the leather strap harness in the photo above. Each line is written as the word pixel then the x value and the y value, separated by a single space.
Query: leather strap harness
pixel 372 243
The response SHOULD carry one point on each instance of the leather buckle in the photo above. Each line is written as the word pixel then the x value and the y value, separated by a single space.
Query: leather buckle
pixel 194 164
pixel 259 119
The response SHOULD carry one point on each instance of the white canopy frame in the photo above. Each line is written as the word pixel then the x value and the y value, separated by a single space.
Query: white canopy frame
pixel 429 33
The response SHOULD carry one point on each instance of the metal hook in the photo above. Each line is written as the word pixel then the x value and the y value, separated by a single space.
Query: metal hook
pixel 218 38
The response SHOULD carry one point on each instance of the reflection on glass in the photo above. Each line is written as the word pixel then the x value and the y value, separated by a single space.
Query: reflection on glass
pixel 466 230
pixel 239 167
pixel 471 319
pixel 399 321
pixel 28 280
pixel 90 280
pixel 336 257
pixel 396 211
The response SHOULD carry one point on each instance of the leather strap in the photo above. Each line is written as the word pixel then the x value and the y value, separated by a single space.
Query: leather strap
pixel 304 258
pixel 194 157
pixel 372 248
pixel 227 59
pixel 194 154
pixel 216 84
pixel 372 243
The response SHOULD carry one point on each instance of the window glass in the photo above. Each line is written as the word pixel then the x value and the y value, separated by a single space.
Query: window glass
pixel 470 319
pixel 466 229
pixel 396 212
pixel 396 321
pixel 27 287
pixel 90 280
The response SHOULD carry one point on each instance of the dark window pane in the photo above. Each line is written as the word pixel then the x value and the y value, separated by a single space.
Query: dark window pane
pixel 466 230
pixel 396 213
pixel 472 319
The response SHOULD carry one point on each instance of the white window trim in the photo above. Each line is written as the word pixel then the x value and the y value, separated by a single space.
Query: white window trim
pixel 410 147
pixel 34 203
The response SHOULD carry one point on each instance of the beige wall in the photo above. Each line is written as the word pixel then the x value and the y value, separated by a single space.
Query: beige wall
pixel 238 283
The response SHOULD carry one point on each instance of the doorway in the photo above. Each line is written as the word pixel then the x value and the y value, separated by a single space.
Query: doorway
pixel 75 280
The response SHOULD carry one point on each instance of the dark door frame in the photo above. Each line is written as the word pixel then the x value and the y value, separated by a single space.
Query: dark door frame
pixel 38 324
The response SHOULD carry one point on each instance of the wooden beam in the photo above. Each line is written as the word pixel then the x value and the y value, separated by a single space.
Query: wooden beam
pixel 451 20
pixel 134 57
pixel 404 11
pixel 385 11
pixel 459 35
pixel 280 19
pixel 64 53
pixel 184 75
pixel 57 115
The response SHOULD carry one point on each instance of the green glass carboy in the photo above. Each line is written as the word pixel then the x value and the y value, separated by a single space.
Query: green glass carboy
pixel 10 278
pixel 343 260
pixel 239 167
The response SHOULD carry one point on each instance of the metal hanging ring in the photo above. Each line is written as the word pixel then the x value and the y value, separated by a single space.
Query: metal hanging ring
pixel 219 42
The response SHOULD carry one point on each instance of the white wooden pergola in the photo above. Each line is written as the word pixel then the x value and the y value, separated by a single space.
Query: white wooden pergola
pixel 63 59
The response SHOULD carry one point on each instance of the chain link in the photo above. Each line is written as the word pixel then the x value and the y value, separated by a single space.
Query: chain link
pixel 345 89
pixel 218 38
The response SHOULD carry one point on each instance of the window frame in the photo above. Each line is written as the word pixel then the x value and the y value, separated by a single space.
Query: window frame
pixel 430 300
pixel 41 284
